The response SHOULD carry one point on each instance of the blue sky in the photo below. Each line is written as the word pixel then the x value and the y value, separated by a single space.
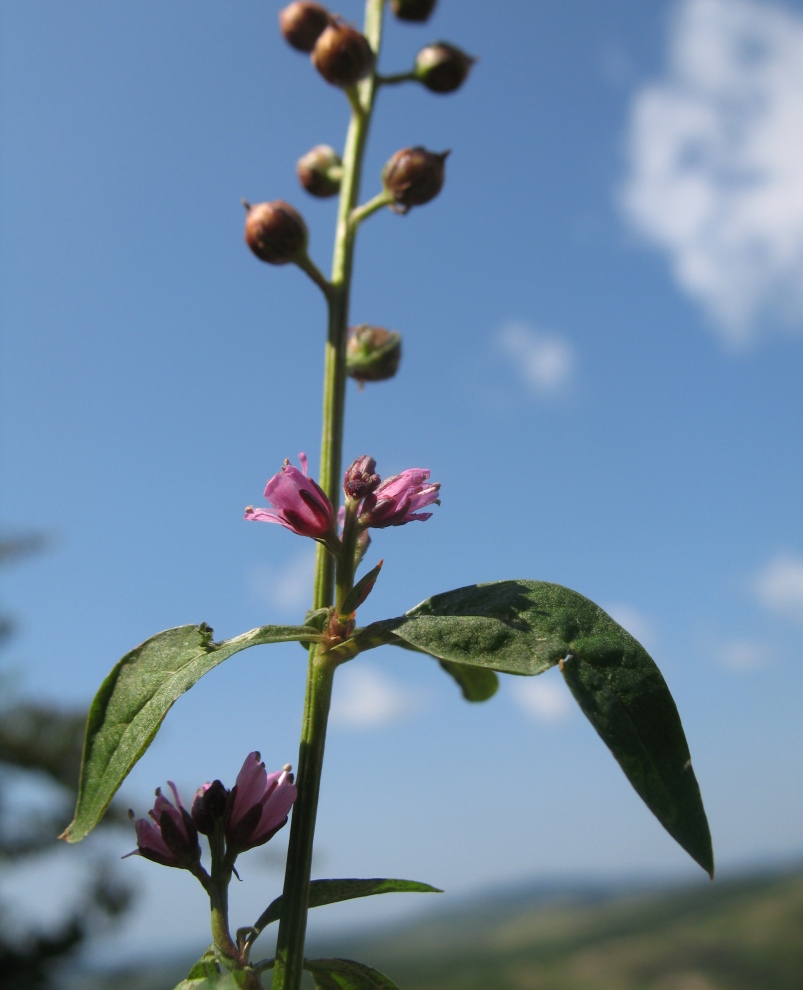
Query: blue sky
pixel 603 345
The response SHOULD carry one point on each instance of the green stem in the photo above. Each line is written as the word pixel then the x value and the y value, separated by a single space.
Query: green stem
pixel 398 77
pixel 361 212
pixel 217 886
pixel 320 673
pixel 346 566
pixel 220 924
pixel 306 264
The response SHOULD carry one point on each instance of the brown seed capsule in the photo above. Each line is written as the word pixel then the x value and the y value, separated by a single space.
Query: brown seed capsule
pixel 342 55
pixel 412 10
pixel 275 232
pixel 442 68
pixel 320 171
pixel 303 23
pixel 372 353
pixel 414 176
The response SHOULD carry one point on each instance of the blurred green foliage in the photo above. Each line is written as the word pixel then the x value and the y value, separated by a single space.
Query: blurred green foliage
pixel 40 753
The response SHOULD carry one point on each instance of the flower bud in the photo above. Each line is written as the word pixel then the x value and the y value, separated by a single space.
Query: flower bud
pixel 442 68
pixel 361 478
pixel 342 55
pixel 372 353
pixel 209 806
pixel 275 232
pixel 414 176
pixel 303 23
pixel 320 171
pixel 412 10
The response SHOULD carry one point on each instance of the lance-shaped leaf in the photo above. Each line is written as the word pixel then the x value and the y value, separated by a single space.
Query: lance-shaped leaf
pixel 322 892
pixel 133 700
pixel 525 627
pixel 361 590
pixel 346 974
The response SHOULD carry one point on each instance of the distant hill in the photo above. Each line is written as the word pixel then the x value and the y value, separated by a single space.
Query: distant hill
pixel 742 934
pixel 731 935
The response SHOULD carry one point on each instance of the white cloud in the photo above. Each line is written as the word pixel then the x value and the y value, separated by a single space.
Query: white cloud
pixel 742 655
pixel 715 163
pixel 544 361
pixel 544 698
pixel 285 588
pixel 637 623
pixel 779 585
pixel 364 699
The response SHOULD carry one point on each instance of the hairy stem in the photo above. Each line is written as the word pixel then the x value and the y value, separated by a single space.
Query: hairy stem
pixel 292 926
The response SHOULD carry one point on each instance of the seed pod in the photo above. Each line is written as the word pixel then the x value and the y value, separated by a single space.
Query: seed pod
pixel 442 68
pixel 303 23
pixel 342 55
pixel 412 10
pixel 275 232
pixel 414 176
pixel 320 171
pixel 372 353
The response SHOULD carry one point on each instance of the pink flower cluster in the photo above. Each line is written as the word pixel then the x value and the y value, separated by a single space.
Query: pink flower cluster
pixel 250 814
pixel 300 505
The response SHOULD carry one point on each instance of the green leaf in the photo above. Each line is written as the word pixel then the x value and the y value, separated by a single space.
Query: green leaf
pixel 516 627
pixel 361 590
pixel 525 627
pixel 623 695
pixel 206 966
pixel 322 892
pixel 206 974
pixel 215 981
pixel 476 683
pixel 134 699
pixel 345 974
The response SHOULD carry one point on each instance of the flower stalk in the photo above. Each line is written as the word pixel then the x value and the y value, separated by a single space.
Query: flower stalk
pixel 292 926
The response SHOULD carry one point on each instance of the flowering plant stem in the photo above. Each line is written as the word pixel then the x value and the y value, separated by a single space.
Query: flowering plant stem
pixel 292 926
pixel 217 886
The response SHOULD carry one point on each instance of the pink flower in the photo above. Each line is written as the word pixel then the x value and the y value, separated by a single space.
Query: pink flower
pixel 171 838
pixel 397 500
pixel 301 505
pixel 260 803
